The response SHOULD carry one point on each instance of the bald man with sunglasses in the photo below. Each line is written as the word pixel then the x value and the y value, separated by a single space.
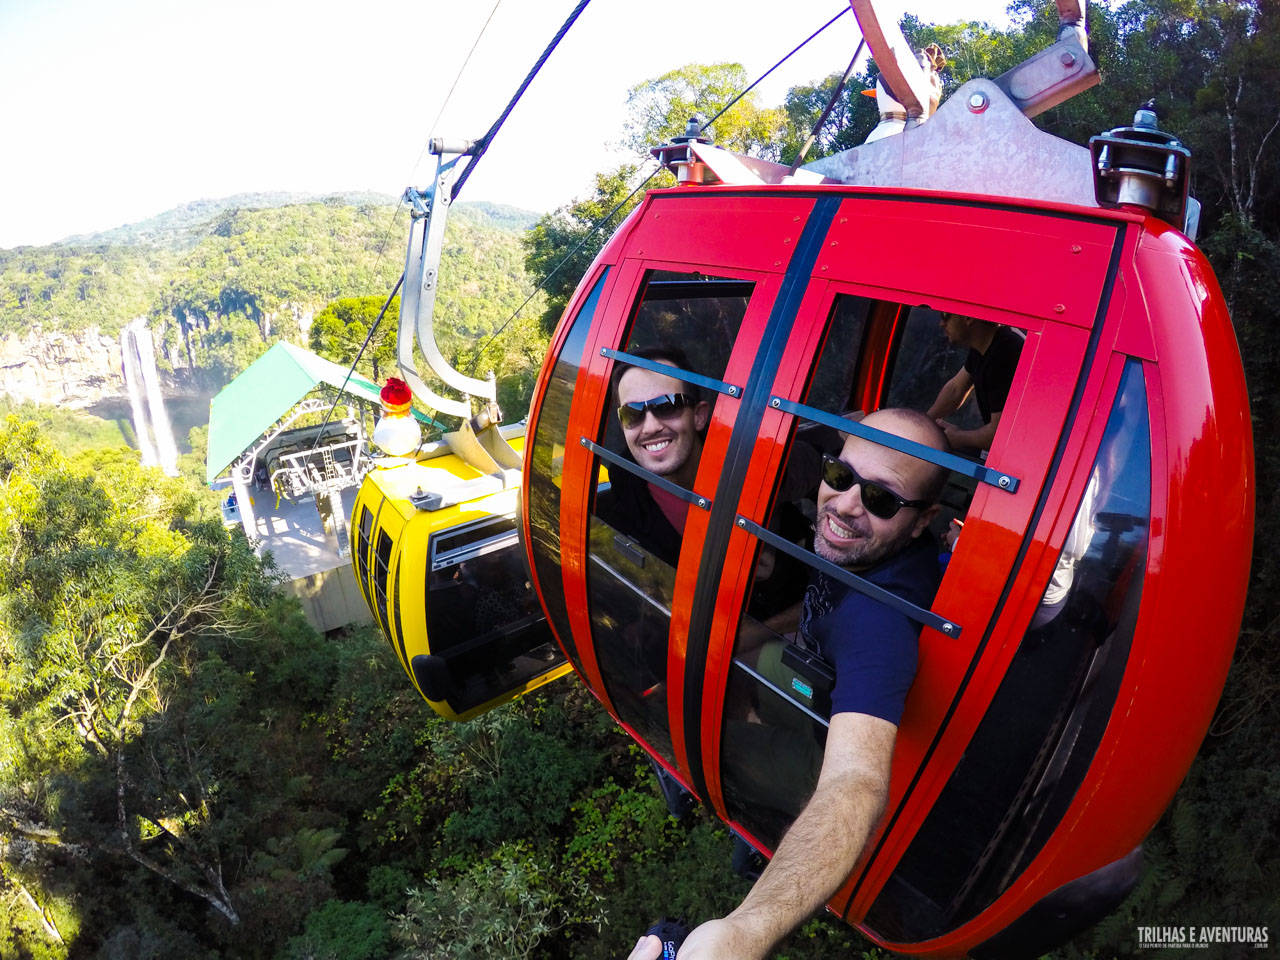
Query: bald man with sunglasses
pixel 874 509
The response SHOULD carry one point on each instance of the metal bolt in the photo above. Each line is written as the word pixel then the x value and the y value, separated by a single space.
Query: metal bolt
pixel 1068 59
pixel 733 391
pixel 702 502
pixel 583 441
pixel 948 628
pixel 742 522
pixel 1004 483
pixel 775 403
pixel 977 102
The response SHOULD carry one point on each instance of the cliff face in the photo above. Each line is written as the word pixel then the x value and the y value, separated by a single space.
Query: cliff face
pixel 69 369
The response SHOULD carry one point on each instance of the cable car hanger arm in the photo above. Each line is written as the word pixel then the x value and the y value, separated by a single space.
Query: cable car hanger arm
pixel 430 210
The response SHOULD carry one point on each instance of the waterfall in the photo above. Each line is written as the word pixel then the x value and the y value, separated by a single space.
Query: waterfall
pixel 137 349
pixel 133 379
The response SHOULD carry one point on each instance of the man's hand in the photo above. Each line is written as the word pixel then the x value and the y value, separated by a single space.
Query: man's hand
pixel 647 947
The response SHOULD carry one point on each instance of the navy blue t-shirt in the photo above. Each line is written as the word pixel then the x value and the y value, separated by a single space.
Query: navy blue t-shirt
pixel 872 647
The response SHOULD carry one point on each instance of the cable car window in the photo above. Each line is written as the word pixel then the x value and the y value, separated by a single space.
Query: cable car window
pixel 381 565
pixel 923 361
pixel 547 465
pixel 778 698
pixel 472 541
pixel 1044 725
pixel 654 424
pixel 362 554
pixel 487 631
pixel 784 676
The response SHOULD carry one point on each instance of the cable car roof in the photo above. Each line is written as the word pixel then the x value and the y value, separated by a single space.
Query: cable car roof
pixel 247 407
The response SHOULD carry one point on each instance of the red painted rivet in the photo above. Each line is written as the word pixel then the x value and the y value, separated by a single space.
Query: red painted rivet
pixel 1059 308
pixel 787 240
pixel 1076 248
pixel 824 266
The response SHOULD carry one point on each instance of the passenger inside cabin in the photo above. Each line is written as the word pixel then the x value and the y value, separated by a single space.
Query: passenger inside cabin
pixel 874 509
pixel 987 373
pixel 663 420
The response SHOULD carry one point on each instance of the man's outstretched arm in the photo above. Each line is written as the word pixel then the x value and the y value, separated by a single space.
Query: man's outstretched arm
pixel 818 852
pixel 952 395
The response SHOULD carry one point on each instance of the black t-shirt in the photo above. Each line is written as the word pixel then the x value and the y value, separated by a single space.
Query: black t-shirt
pixel 628 507
pixel 992 372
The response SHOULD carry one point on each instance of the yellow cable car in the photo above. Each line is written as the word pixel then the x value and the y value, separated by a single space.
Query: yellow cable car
pixel 438 559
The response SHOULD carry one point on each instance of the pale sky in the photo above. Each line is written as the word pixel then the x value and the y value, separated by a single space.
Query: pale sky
pixel 115 111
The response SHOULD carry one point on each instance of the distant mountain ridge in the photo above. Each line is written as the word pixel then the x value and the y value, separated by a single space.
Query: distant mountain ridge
pixel 184 225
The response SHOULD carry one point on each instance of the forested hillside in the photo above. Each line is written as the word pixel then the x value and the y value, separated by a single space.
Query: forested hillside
pixel 221 281
pixel 188 770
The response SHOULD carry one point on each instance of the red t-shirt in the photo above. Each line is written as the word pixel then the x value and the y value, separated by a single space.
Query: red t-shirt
pixel 672 507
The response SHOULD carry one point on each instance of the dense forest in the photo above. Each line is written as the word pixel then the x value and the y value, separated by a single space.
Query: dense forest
pixel 188 769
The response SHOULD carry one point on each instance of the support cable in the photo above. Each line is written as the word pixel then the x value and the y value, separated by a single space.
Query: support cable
pixel 826 111
pixel 483 144
pixel 386 232
pixel 596 226
pixel 359 354
pixel 759 79
pixel 564 260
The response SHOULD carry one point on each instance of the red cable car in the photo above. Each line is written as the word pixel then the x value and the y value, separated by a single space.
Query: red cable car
pixel 1069 665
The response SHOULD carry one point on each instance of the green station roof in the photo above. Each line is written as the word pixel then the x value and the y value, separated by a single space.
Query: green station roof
pixel 253 402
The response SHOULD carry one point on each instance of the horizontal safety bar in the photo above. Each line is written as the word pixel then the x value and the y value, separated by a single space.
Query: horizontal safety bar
pixel 688 496
pixel 861 584
pixel 949 461
pixel 778 691
pixel 688 376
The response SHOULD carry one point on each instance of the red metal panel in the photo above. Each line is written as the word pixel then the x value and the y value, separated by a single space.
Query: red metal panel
pixel 579 477
pixel 738 567
pixel 1036 266
pixel 720 233
pixel 1194 583
pixel 710 467
pixel 994 529
pixel 1198 562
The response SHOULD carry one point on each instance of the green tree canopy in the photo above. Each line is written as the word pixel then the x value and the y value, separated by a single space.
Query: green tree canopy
pixel 339 331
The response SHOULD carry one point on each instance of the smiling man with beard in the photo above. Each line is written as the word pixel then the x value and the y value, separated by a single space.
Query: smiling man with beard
pixel 663 420
pixel 874 509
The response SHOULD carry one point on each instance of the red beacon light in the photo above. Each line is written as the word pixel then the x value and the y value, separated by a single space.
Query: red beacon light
pixel 397 433
pixel 1069 664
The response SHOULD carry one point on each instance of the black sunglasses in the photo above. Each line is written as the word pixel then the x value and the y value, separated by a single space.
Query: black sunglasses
pixel 666 407
pixel 879 500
